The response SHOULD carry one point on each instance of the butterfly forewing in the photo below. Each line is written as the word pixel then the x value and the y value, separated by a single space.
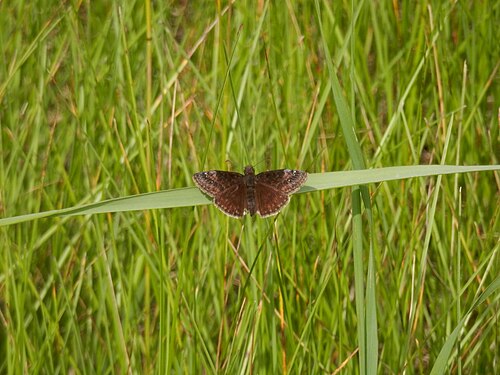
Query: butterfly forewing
pixel 216 182
pixel 285 180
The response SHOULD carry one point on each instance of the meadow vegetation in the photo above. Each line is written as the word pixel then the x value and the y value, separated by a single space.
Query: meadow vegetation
pixel 101 100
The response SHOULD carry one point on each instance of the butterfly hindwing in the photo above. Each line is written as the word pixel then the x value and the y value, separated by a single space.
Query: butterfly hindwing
pixel 232 201
pixel 269 201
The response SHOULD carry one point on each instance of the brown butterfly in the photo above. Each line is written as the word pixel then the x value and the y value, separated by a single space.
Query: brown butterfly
pixel 236 194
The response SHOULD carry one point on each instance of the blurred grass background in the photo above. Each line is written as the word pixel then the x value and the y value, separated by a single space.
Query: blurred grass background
pixel 102 100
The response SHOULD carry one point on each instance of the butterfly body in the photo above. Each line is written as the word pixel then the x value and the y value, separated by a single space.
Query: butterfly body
pixel 236 194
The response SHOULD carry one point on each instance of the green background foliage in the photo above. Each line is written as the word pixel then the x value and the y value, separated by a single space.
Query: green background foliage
pixel 101 100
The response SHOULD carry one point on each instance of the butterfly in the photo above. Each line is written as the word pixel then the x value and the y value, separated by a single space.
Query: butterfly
pixel 236 194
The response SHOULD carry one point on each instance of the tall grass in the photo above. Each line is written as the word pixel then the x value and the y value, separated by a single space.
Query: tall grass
pixel 106 100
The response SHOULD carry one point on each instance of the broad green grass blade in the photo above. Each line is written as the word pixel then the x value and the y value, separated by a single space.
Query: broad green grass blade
pixel 188 197
pixel 328 180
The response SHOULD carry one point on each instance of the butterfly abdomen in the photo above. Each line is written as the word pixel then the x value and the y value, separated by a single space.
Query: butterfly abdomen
pixel 250 185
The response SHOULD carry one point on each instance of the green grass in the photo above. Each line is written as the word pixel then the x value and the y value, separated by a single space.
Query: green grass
pixel 102 101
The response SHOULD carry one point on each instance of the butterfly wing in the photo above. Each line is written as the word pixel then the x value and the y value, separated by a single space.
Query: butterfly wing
pixel 272 189
pixel 286 180
pixel 232 201
pixel 269 201
pixel 227 188
pixel 215 182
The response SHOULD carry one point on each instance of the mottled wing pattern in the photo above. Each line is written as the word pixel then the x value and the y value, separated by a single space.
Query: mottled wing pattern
pixel 227 188
pixel 269 201
pixel 233 200
pixel 272 189
pixel 285 180
pixel 213 183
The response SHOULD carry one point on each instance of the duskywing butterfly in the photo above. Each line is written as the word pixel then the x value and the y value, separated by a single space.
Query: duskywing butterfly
pixel 265 193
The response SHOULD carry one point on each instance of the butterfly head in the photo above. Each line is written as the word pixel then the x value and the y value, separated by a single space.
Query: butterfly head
pixel 249 170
